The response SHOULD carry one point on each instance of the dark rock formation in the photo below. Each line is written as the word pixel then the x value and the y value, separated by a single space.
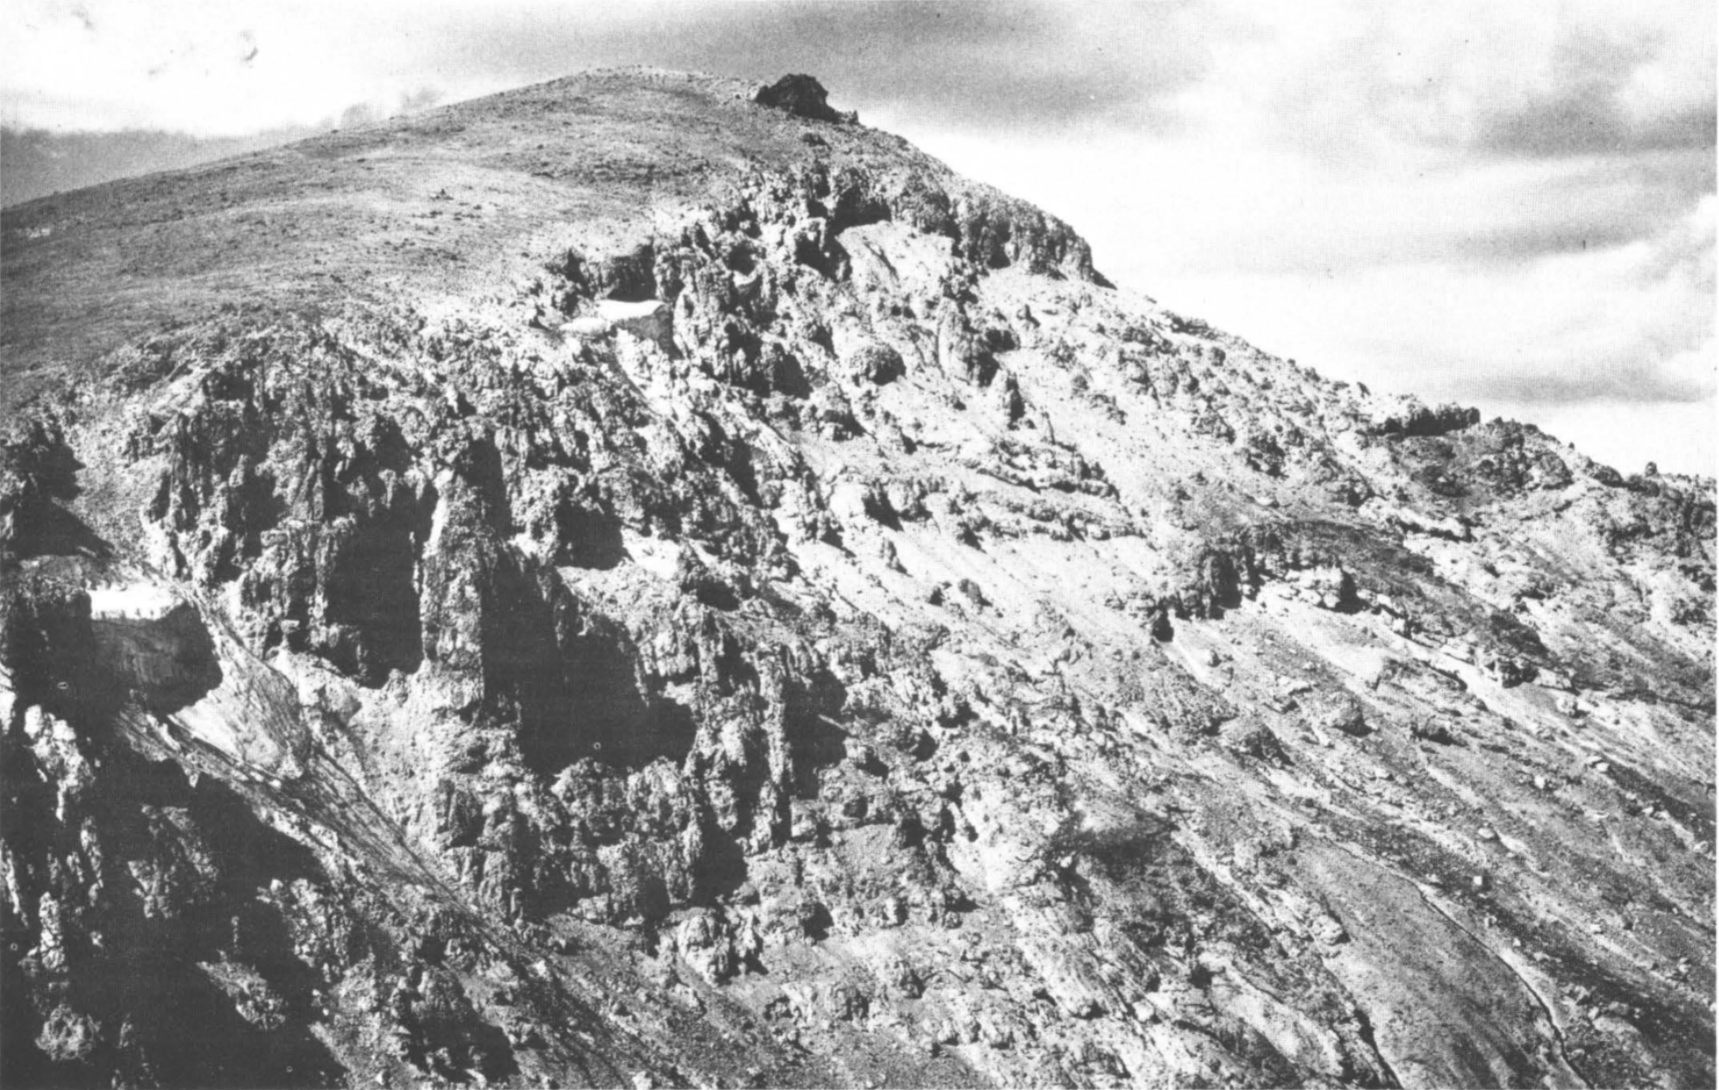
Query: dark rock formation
pixel 802 96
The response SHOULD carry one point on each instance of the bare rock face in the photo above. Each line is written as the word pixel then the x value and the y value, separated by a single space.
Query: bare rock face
pixel 806 628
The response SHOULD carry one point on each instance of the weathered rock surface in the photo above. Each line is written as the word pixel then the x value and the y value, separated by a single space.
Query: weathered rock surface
pixel 802 96
pixel 614 584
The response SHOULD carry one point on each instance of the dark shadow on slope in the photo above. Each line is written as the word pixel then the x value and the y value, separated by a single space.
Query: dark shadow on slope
pixel 589 539
pixel 480 467
pixel 160 656
pixel 43 473
pixel 574 684
pixel 49 645
pixel 815 740
pixel 27 800
pixel 713 592
pixel 720 868
pixel 826 256
pixel 1120 851
pixel 51 530
pixel 745 475
pixel 609 719
pixel 191 1034
pixel 165 663
pixel 449 1038
pixel 371 592
pixel 195 980
pixel 787 375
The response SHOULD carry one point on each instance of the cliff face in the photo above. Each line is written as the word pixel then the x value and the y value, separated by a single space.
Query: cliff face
pixel 618 584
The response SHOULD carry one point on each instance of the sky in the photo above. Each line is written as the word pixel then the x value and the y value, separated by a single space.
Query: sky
pixel 1507 205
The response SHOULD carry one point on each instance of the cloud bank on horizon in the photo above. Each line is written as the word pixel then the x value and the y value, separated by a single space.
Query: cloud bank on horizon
pixel 1507 205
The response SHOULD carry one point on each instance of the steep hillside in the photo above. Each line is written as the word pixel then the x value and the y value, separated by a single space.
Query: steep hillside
pixel 620 584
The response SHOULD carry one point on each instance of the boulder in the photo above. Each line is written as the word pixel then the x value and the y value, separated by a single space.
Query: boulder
pixel 802 96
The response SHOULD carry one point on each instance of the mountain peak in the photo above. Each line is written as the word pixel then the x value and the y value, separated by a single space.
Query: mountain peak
pixel 453 198
pixel 617 583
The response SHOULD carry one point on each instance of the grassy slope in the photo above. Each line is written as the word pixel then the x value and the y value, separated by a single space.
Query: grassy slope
pixel 440 201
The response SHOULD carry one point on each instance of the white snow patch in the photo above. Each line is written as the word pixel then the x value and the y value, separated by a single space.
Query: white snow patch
pixel 131 601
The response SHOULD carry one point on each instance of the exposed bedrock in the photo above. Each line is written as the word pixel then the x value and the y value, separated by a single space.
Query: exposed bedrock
pixel 816 631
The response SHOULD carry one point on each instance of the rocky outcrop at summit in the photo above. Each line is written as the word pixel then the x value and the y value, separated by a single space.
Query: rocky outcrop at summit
pixel 802 96
pixel 718 599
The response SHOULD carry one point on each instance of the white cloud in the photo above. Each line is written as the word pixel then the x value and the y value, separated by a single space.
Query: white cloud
pixel 1497 204
pixel 219 68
